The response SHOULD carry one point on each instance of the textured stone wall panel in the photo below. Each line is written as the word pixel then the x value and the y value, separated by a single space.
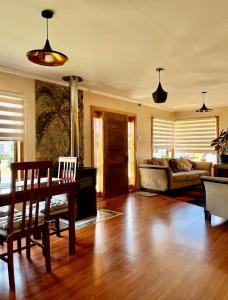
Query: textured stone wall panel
pixel 53 121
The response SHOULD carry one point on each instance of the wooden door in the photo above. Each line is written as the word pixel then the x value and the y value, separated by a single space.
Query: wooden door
pixel 115 154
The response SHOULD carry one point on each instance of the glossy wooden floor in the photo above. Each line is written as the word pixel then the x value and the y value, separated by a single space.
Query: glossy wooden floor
pixel 158 249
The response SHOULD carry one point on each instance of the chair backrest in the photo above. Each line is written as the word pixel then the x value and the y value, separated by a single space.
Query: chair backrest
pixel 67 167
pixel 34 176
pixel 216 195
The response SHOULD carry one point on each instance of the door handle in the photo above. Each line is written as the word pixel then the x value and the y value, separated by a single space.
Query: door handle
pixel 126 158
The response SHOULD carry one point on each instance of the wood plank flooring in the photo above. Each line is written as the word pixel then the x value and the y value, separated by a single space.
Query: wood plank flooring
pixel 158 249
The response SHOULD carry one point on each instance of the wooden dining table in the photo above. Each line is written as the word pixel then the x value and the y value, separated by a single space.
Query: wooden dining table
pixel 59 186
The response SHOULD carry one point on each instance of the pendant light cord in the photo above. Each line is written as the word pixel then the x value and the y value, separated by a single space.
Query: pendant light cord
pixel 203 96
pixel 47 28
pixel 159 70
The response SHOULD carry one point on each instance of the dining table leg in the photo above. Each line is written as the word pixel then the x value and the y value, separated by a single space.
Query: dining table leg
pixel 72 234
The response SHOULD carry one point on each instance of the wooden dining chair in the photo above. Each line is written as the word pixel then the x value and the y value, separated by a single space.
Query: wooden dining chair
pixel 27 189
pixel 67 169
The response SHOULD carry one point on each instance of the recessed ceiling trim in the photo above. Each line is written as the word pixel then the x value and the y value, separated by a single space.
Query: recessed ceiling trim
pixel 127 99
pixel 86 89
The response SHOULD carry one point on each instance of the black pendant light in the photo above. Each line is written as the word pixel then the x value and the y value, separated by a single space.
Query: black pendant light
pixel 203 108
pixel 159 95
pixel 47 56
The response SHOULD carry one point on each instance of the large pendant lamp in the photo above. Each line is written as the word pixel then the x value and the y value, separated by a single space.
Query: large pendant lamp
pixel 203 108
pixel 47 56
pixel 159 95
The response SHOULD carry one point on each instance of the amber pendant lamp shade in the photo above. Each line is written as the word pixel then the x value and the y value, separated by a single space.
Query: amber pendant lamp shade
pixel 159 95
pixel 203 107
pixel 47 56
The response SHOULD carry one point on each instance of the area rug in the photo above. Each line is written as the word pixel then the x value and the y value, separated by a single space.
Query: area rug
pixel 146 194
pixel 193 195
pixel 102 215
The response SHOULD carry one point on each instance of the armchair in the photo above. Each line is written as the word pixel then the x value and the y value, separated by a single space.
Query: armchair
pixel 216 196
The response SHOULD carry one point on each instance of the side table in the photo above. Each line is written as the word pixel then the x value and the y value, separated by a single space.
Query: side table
pixel 221 170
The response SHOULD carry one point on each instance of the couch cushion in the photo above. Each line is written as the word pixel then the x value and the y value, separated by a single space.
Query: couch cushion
pixel 188 176
pixel 196 174
pixel 180 176
pixel 184 164
pixel 173 164
pixel 193 176
pixel 200 172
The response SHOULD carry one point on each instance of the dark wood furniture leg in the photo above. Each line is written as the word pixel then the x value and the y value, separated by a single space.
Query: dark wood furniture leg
pixel 10 264
pixel 57 226
pixel 72 236
pixel 19 246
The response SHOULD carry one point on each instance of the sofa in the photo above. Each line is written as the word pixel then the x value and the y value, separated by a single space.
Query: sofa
pixel 162 177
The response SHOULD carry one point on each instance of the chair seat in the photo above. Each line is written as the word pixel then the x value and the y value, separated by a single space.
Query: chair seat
pixel 58 205
pixel 4 210
pixel 16 223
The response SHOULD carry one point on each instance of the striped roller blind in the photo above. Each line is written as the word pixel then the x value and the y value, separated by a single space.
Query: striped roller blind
pixel 11 116
pixel 163 132
pixel 195 135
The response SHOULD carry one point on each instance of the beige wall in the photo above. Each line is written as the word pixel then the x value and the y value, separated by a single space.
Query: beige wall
pixel 143 122
pixel 24 86
pixel 221 112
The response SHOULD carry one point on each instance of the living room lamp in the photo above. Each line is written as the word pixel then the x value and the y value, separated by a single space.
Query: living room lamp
pixel 203 108
pixel 47 56
pixel 159 95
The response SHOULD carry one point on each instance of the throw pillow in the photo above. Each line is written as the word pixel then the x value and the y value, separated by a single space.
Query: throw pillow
pixel 165 162
pixel 173 164
pixel 155 161
pixel 148 161
pixel 184 164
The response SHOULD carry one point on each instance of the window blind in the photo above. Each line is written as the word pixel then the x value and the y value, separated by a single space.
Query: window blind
pixel 195 135
pixel 163 133
pixel 11 116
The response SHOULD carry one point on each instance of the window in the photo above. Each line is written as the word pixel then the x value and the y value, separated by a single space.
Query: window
pixel 11 131
pixel 98 149
pixel 131 153
pixel 163 132
pixel 185 138
pixel 192 139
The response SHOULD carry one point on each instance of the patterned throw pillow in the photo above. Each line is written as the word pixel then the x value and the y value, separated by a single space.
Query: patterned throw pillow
pixel 156 161
pixel 173 164
pixel 165 162
pixel 184 164
pixel 148 161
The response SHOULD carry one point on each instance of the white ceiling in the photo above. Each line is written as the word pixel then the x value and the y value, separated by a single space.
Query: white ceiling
pixel 117 45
